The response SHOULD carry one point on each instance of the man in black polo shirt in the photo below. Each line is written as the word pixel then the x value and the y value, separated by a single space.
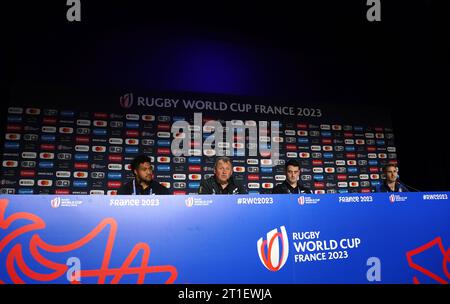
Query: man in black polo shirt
pixel 222 182
pixel 143 182
pixel 291 184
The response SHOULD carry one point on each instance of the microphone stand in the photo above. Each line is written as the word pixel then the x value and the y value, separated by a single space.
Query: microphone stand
pixel 407 186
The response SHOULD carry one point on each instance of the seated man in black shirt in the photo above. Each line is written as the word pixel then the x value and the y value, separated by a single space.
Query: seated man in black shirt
pixel 222 182
pixel 291 184
pixel 143 182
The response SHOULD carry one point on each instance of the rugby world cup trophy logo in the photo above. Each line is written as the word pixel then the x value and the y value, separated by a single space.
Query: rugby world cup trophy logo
pixel 392 198
pixel 301 200
pixel 126 101
pixel 56 202
pixel 274 250
pixel 189 202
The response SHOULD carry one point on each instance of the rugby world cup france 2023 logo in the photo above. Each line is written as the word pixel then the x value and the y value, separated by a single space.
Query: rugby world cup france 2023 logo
pixel 274 250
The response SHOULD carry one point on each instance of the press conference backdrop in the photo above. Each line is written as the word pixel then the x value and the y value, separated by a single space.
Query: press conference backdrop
pixel 331 238
pixel 64 143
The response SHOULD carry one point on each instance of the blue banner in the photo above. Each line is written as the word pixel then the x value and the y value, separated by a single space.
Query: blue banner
pixel 332 238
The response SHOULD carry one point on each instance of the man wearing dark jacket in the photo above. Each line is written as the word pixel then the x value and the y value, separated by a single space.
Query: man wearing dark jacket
pixel 143 182
pixel 222 182
pixel 291 184
pixel 391 183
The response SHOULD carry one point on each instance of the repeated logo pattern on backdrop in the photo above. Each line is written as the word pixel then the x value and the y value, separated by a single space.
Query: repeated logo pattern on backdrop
pixel 78 152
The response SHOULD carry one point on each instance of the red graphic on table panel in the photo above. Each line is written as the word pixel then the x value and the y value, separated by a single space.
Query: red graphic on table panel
pixel 445 260
pixel 15 255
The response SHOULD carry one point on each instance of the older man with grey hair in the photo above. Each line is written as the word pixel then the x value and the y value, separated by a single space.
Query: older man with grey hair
pixel 222 182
